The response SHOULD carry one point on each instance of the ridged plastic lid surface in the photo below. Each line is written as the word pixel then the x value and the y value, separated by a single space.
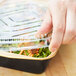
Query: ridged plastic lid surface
pixel 19 23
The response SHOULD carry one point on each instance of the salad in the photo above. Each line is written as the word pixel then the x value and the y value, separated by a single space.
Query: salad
pixel 39 52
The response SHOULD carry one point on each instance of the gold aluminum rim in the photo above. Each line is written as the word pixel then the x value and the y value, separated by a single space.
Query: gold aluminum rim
pixel 17 56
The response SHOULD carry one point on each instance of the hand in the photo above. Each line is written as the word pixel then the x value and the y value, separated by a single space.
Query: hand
pixel 61 18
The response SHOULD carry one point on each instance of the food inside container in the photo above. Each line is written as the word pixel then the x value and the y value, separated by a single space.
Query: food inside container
pixel 38 49
pixel 36 52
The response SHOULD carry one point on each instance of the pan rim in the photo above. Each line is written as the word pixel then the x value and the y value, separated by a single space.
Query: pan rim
pixel 17 56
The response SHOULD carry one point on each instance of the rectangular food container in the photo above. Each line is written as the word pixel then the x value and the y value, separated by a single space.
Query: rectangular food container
pixel 14 16
pixel 23 63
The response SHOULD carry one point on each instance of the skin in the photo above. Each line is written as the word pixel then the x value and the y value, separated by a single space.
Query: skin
pixel 61 19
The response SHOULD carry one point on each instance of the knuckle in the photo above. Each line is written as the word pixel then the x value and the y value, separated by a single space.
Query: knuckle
pixel 72 31
pixel 58 5
pixel 72 7
pixel 59 29
pixel 61 5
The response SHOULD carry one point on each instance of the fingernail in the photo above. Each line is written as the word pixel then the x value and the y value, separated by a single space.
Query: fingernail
pixel 53 49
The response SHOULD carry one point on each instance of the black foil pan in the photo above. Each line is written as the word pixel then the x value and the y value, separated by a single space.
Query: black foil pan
pixel 26 64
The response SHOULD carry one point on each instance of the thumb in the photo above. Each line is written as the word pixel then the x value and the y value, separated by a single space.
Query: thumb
pixel 46 25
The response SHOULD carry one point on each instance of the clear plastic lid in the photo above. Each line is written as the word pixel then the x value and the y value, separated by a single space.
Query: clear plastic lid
pixel 19 23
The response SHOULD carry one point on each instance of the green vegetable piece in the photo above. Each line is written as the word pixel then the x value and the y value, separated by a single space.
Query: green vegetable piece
pixel 40 50
pixel 17 52
pixel 26 52
pixel 35 55
pixel 44 54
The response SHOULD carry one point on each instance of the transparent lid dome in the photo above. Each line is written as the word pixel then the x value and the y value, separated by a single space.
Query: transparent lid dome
pixel 19 23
